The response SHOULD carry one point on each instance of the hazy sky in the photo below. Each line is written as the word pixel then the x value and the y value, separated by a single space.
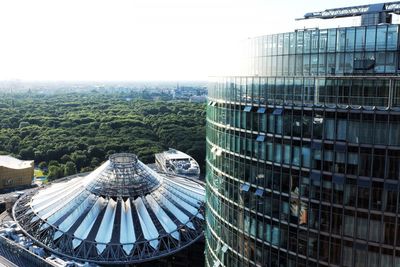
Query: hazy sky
pixel 136 39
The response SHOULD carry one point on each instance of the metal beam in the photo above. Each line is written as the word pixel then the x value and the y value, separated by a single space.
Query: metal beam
pixel 390 7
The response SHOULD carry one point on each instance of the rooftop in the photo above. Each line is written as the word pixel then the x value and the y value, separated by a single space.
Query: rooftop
pixel 13 163
pixel 123 212
pixel 173 154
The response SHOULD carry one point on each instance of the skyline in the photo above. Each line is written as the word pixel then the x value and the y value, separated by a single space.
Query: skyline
pixel 136 41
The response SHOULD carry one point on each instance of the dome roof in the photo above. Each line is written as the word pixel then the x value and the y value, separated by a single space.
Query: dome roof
pixel 123 212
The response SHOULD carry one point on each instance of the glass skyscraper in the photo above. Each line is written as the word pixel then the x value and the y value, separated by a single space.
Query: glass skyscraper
pixel 303 151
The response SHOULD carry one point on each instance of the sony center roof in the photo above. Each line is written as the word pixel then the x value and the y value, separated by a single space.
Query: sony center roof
pixel 123 212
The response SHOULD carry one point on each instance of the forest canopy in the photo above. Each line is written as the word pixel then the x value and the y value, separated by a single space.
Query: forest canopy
pixel 76 132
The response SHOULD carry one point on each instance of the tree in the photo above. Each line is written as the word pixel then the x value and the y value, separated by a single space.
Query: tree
pixel 79 159
pixel 85 128
pixel 23 124
pixel 86 169
pixel 54 163
pixel 42 165
pixel 27 153
pixel 55 172
pixel 95 163
pixel 70 168
pixel 65 158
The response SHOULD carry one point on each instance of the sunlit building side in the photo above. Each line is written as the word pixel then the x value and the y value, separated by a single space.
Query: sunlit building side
pixel 15 173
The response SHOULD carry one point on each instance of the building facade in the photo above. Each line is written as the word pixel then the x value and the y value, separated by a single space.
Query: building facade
pixel 303 152
pixel 15 173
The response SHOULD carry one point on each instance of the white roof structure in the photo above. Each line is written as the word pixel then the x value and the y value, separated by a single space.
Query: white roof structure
pixel 172 154
pixel 123 212
pixel 13 163
pixel 176 162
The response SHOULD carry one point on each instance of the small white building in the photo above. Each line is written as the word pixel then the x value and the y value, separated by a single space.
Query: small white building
pixel 178 163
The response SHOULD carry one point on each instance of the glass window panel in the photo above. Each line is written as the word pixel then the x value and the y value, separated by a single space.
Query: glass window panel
pixel 339 63
pixel 330 63
pixel 299 42
pixel 344 91
pixel 292 45
pixel 307 40
pixel 285 65
pixel 360 39
pixel 297 91
pixel 329 128
pixel 280 44
pixel 314 64
pixel 299 65
pixel 331 92
pixel 350 38
pixel 370 38
pixel 278 153
pixel 274 44
pixel 305 153
pixel 348 64
pixel 306 64
pixel 314 41
pixel 390 62
pixel 323 40
pixel 392 36
pixel 322 64
pixel 309 90
pixel 381 37
pixel 362 226
pixel 288 90
pixel 341 40
pixel 287 155
pixel 394 130
pixel 273 65
pixel 331 40
pixel 291 65
pixel 341 129
pixel 286 43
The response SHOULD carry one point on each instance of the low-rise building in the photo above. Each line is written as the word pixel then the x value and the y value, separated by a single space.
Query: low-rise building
pixel 176 162
pixel 15 172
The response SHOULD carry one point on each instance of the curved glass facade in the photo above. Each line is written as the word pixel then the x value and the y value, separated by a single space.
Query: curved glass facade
pixel 303 152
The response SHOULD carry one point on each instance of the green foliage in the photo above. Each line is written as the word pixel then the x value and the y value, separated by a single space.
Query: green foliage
pixel 70 168
pixel 85 128
pixel 55 172
pixel 54 163
pixel 42 165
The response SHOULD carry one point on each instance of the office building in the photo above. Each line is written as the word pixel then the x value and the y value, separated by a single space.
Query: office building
pixel 303 148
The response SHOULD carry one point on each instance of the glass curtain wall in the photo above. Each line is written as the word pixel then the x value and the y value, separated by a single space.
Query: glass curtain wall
pixel 303 152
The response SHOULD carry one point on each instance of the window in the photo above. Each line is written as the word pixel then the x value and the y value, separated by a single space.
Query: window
pixel 260 138
pixel 245 187
pixel 247 109
pixel 381 37
pixel 261 110
pixel 370 38
pixel 360 38
pixel 278 111
pixel 363 193
pixel 331 40
pixel 259 192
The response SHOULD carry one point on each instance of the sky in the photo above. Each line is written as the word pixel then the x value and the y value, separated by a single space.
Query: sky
pixel 136 40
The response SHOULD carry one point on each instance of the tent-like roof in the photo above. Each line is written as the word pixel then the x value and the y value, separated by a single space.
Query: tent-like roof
pixel 123 212
pixel 13 163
